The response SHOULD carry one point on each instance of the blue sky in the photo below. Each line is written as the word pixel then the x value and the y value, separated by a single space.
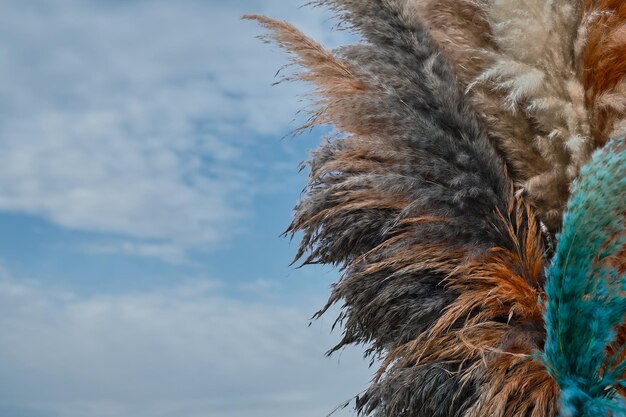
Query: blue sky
pixel 145 178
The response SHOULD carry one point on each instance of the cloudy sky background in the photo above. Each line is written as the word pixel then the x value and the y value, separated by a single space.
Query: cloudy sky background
pixel 144 181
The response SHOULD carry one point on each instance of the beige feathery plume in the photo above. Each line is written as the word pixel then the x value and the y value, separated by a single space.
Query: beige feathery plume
pixel 537 67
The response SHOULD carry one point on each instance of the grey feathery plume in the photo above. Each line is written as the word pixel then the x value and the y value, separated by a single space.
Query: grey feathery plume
pixel 521 64
pixel 442 263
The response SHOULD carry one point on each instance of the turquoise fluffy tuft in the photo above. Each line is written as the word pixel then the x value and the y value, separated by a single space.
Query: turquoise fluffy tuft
pixel 586 295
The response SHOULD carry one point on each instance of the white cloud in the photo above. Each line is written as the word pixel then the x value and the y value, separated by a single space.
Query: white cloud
pixel 187 351
pixel 139 118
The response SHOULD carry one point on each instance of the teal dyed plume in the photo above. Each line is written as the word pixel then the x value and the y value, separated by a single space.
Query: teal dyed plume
pixel 586 294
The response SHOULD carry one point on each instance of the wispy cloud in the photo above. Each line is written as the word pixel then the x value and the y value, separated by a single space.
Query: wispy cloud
pixel 185 351
pixel 139 119
pixel 142 120
pixel 170 253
